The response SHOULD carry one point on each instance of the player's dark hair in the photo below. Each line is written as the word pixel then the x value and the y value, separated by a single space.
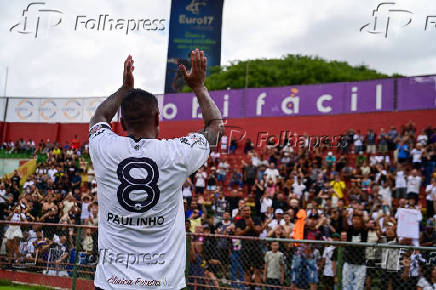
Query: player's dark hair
pixel 138 109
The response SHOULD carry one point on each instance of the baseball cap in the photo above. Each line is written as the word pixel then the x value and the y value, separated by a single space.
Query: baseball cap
pixel 336 235
pixel 279 210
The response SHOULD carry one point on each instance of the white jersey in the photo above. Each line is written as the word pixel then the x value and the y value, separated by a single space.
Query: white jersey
pixel 141 220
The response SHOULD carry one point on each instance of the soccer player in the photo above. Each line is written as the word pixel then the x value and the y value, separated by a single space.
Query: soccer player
pixel 141 219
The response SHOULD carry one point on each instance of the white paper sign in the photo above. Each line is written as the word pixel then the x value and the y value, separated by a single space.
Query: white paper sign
pixel 408 223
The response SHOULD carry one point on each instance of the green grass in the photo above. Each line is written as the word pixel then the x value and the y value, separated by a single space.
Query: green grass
pixel 7 285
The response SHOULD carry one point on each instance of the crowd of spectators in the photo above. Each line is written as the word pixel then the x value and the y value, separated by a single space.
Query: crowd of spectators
pixel 349 191
pixel 354 190
pixel 62 190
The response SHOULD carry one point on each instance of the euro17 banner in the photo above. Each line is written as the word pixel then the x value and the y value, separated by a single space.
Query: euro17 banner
pixel 193 24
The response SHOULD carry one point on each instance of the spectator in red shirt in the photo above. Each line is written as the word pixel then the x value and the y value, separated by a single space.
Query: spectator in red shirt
pixel 75 143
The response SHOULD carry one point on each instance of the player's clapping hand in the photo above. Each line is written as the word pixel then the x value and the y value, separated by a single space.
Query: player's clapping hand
pixel 128 81
pixel 196 77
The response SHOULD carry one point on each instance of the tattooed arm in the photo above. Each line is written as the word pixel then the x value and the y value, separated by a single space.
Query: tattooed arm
pixel 213 124
pixel 107 110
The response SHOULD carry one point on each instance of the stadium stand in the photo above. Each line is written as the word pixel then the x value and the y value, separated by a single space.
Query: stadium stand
pixel 352 189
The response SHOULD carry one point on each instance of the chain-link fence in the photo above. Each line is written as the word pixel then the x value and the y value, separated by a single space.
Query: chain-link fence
pixel 231 262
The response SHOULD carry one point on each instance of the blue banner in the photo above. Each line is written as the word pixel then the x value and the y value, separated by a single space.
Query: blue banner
pixel 193 24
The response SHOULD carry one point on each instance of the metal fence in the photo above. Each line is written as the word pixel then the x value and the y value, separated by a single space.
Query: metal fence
pixel 230 262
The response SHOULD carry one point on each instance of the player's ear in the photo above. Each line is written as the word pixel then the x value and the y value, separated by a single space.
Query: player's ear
pixel 123 124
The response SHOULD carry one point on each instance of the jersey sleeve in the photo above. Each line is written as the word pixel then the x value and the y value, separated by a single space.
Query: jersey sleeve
pixel 195 149
pixel 99 131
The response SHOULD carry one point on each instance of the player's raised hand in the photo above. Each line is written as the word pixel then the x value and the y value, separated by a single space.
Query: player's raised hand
pixel 128 80
pixel 196 77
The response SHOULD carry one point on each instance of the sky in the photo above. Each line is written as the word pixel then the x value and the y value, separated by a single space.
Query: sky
pixel 69 61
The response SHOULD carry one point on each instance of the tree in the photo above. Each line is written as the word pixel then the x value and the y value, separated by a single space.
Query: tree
pixel 286 71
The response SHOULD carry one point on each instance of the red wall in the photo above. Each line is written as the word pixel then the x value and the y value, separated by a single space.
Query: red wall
pixel 312 125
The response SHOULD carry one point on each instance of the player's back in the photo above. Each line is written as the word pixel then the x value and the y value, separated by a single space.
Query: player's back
pixel 141 215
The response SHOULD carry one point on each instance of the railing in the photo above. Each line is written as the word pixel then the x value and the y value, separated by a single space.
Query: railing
pixel 227 262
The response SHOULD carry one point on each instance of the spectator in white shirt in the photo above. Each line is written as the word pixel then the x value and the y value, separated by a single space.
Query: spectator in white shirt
pixel 3 194
pixel 431 198
pixel 400 184
pixel 422 138
pixel 265 203
pixel 200 182
pixel 221 172
pixel 358 142
pixel 385 193
pixel 278 220
pixel 415 222
pixel 51 172
pixel 187 191
pixel 298 187
pixel 413 185
pixel 417 156
pixel 272 172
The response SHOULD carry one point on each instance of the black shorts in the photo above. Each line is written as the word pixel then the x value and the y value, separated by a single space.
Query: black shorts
pixel 252 257
pixel 371 268
pixel 97 288
pixel 328 281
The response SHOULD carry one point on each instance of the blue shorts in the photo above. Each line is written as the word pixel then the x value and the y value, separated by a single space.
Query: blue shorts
pixel 303 271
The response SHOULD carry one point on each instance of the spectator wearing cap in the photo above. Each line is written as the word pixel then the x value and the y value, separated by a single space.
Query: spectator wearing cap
pixel 278 218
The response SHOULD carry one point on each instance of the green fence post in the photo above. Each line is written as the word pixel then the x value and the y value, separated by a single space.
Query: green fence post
pixel 76 256
pixel 339 266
